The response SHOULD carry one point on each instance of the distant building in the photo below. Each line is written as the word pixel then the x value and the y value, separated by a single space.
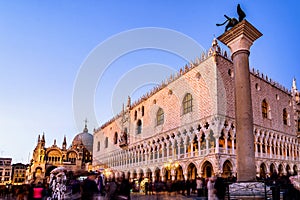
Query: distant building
pixel 18 173
pixel 5 171
pixel 185 127
pixel 77 157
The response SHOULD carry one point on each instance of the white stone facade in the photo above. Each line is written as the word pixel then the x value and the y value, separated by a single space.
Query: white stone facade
pixel 186 126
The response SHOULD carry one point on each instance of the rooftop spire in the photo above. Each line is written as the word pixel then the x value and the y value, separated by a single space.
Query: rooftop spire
pixel 214 42
pixel 65 140
pixel 294 87
pixel 215 48
pixel 64 144
pixel 43 137
pixel 85 130
pixel 128 102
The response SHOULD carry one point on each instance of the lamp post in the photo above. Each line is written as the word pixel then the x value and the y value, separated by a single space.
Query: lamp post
pixel 107 173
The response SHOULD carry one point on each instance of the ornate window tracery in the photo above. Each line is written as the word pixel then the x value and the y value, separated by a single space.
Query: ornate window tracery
pixel 187 103
pixel 159 117
pixel 264 107
pixel 285 116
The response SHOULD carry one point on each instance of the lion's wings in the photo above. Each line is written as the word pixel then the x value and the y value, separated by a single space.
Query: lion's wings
pixel 241 13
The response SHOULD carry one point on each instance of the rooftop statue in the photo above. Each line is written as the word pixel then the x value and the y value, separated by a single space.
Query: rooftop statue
pixel 233 21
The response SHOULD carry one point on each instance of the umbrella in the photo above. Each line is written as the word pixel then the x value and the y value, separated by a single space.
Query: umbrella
pixel 58 169
pixel 81 172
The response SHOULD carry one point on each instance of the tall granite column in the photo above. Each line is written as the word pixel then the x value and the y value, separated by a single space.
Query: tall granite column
pixel 239 39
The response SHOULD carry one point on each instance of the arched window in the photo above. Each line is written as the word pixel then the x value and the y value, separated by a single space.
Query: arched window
pixel 285 116
pixel 135 115
pixel 139 127
pixel 98 146
pixel 264 108
pixel 187 103
pixel 143 110
pixel 159 117
pixel 116 138
pixel 106 142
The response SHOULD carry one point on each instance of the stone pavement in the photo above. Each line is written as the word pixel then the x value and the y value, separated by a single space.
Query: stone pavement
pixel 139 196
pixel 165 196
pixel 161 196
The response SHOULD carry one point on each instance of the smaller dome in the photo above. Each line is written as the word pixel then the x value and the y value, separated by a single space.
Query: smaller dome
pixel 85 139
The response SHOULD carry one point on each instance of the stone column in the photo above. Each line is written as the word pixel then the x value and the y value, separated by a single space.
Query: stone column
pixel 185 143
pixel 207 132
pixel 178 148
pixel 239 39
pixel 232 142
pixel 217 150
pixel 226 141
pixel 199 143
pixel 173 174
pixel 168 150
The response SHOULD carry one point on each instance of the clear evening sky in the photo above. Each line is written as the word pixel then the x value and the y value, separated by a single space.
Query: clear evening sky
pixel 44 43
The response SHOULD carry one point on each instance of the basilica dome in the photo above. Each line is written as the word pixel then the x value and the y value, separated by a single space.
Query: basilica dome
pixel 84 138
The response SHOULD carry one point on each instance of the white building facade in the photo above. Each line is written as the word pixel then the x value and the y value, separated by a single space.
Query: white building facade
pixel 186 126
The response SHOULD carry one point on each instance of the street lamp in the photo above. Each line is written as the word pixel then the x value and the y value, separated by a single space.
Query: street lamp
pixel 107 172
pixel 171 166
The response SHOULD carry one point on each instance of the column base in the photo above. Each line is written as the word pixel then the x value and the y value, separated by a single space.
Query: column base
pixel 249 190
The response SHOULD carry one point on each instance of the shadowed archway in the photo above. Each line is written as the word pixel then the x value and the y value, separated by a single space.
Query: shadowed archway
pixel 192 171
pixel 208 170
pixel 227 169
pixel 262 170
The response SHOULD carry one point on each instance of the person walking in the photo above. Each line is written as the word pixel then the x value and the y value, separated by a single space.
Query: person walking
pixel 89 187
pixel 146 187
pixel 124 189
pixel 111 190
pixel 38 191
pixel 211 189
pixel 199 186
pixel 100 184
pixel 188 187
pixel 220 188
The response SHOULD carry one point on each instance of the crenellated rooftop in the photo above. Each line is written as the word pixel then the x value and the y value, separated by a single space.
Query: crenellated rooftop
pixel 214 50
pixel 269 80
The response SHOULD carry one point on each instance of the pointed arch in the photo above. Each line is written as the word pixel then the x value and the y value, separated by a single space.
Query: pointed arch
pixel 265 109
pixel 106 142
pixel 285 116
pixel 207 169
pixel 179 173
pixel 262 170
pixel 187 103
pixel 191 171
pixel 295 169
pixel 160 117
pixel 227 169
pixel 288 170
pixel 116 138
pixel 139 127
pixel 280 169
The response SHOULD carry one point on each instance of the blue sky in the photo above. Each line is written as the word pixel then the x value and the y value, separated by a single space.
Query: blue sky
pixel 44 44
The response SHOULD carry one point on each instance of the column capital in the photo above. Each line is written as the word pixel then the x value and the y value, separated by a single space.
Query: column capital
pixel 240 37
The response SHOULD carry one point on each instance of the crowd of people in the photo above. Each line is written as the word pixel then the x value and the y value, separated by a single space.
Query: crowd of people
pixel 63 187
pixel 213 187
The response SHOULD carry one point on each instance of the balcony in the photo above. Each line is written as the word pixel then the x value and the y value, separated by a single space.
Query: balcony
pixel 123 144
